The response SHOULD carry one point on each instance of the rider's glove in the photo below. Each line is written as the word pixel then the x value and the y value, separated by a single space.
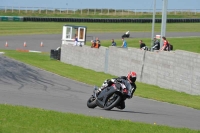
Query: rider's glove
pixel 113 80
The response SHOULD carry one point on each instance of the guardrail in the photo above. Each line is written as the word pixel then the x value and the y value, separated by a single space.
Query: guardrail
pixel 94 11
pixel 109 20
pixel 97 20
pixel 11 18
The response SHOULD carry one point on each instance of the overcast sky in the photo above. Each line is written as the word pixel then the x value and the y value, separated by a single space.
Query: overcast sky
pixel 115 4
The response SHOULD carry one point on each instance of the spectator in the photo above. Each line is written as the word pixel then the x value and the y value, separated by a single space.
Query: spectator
pixel 156 45
pixel 143 45
pixel 124 44
pixel 165 46
pixel 96 43
pixel 76 40
pixel 113 43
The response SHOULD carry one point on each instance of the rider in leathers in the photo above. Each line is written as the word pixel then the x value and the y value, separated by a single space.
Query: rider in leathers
pixel 128 81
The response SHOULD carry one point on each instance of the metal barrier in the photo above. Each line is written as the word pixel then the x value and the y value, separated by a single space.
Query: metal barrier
pixel 98 20
pixel 11 18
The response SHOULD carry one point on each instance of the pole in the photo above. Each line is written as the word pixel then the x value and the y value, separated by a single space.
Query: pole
pixel 164 20
pixel 153 24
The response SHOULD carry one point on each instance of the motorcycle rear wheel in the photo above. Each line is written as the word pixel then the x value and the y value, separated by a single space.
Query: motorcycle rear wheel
pixel 112 101
pixel 91 103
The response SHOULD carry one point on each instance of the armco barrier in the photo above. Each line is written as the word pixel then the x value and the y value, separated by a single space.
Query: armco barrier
pixel 110 20
pixel 97 20
pixel 177 70
pixel 11 18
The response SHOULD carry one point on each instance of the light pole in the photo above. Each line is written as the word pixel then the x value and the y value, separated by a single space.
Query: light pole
pixel 164 20
pixel 67 7
pixel 153 23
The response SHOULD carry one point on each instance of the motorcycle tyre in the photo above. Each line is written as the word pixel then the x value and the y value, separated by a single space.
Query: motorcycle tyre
pixel 91 104
pixel 115 103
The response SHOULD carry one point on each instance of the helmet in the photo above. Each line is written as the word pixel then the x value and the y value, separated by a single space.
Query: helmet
pixel 131 77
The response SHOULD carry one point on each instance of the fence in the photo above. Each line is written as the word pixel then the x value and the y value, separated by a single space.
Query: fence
pixel 48 10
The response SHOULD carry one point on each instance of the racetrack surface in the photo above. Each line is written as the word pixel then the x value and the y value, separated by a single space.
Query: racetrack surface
pixel 52 41
pixel 21 84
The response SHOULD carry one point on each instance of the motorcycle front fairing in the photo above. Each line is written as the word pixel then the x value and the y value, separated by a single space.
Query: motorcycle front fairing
pixel 101 98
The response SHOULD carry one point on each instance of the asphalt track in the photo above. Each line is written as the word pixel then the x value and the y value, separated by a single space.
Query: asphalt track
pixel 21 84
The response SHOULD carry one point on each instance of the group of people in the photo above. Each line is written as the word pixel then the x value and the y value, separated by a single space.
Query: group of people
pixel 96 43
pixel 156 45
pixel 124 43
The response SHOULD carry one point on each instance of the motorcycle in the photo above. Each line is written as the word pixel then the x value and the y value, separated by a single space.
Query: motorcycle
pixel 127 34
pixel 110 97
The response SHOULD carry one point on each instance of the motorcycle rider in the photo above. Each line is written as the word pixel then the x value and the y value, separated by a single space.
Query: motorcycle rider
pixel 128 81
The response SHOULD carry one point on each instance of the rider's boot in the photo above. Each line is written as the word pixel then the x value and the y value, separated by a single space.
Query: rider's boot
pixel 121 105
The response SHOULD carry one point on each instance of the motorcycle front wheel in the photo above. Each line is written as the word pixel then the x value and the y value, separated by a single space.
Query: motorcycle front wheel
pixel 91 103
pixel 112 101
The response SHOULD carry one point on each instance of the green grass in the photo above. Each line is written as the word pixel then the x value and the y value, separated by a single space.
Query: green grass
pixel 144 90
pixel 18 119
pixel 191 44
pixel 17 28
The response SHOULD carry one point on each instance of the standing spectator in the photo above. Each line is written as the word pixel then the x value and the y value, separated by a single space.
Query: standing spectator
pixel 142 45
pixel 156 45
pixel 124 44
pixel 165 46
pixel 76 40
pixel 113 43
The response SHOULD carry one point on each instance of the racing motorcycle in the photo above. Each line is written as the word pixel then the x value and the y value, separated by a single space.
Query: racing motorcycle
pixel 110 97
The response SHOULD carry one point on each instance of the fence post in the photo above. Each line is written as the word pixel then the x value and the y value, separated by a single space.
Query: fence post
pixel 67 10
pixel 115 11
pixel 5 9
pixel 94 11
pixel 19 9
pixel 88 11
pixel 195 11
pixel 81 11
pixel 74 10
pixel 60 10
pixel 122 12
pixel 135 11
pixel 46 10
pixel 12 9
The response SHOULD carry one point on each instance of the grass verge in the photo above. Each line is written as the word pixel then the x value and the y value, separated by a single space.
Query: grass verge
pixel 18 119
pixel 143 90
pixel 17 28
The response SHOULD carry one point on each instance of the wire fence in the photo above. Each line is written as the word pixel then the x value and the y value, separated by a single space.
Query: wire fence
pixel 89 11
